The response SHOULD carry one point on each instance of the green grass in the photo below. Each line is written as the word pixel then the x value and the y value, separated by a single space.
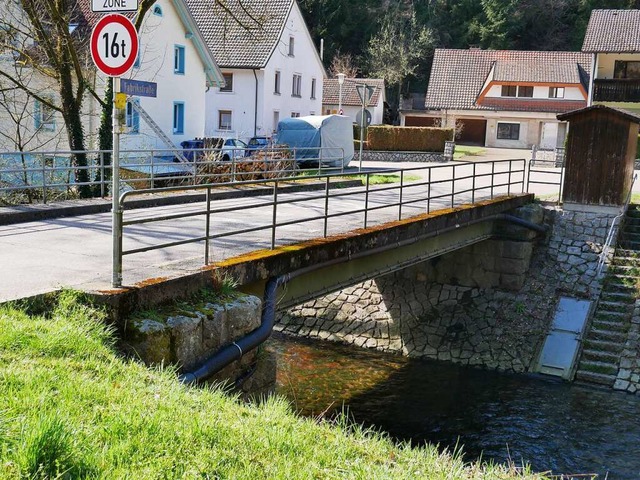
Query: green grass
pixel 468 151
pixel 71 407
pixel 384 179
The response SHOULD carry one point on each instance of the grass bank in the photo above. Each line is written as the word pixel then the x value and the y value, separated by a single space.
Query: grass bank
pixel 71 407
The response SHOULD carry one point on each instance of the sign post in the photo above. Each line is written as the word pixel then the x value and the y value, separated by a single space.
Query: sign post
pixel 114 48
pixel 365 92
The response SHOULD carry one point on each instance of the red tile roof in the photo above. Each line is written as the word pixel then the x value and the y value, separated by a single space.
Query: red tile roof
pixel 533 104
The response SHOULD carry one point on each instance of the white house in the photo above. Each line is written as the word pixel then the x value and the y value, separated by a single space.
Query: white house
pixel 271 67
pixel 172 54
pixel 504 98
pixel 334 97
pixel 613 40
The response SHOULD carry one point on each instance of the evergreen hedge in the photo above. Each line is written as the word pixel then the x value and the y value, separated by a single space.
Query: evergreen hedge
pixel 422 139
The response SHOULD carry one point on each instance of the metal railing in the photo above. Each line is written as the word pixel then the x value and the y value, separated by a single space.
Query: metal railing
pixel 549 178
pixel 611 234
pixel 286 217
pixel 616 90
pixel 28 177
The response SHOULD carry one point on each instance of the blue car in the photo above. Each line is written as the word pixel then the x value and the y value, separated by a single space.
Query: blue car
pixel 256 143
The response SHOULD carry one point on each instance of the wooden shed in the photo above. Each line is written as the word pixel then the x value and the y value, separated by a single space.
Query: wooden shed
pixel 600 155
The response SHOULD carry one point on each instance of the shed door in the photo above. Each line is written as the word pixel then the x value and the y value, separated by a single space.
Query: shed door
pixel 474 132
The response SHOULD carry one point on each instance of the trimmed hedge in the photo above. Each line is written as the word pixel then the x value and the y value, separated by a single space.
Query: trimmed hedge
pixel 421 139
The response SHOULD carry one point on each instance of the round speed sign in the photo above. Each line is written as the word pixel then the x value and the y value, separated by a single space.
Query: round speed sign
pixel 114 45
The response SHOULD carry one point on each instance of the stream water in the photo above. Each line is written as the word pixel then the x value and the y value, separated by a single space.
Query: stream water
pixel 558 427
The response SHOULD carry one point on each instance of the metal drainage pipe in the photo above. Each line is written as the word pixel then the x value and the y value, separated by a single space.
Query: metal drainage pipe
pixel 237 349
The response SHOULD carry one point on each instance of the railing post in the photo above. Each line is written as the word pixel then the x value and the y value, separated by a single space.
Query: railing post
pixel 473 184
pixel 453 186
pixel 401 191
pixel 233 169
pixel 509 178
pixel 493 172
pixel 429 192
pixel 44 180
pixel 561 184
pixel 152 183
pixel 207 226
pixel 366 202
pixel 102 176
pixel 326 206
pixel 274 218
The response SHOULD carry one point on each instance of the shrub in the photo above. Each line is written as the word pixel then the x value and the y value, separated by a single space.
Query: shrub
pixel 425 139
pixel 638 148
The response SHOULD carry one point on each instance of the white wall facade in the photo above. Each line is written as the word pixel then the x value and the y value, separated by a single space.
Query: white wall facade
pixel 158 37
pixel 540 92
pixel 606 62
pixel 270 104
pixel 377 112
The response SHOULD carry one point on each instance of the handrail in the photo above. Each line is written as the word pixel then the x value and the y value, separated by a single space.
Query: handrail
pixel 437 188
pixel 610 235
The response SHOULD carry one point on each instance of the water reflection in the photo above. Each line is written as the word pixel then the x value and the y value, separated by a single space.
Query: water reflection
pixel 554 426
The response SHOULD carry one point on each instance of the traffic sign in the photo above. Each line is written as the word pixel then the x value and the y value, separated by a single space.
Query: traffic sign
pixel 367 117
pixel 114 5
pixel 114 44
pixel 365 92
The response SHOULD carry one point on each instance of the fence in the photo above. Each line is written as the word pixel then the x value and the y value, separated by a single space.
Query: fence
pixel 284 218
pixel 28 177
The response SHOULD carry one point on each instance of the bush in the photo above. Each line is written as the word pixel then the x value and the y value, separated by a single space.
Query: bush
pixel 423 139
pixel 638 148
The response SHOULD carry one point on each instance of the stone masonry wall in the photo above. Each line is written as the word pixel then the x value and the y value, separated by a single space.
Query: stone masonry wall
pixel 488 305
pixel 629 373
pixel 188 335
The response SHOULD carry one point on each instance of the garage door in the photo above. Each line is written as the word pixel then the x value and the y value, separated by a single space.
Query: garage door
pixel 415 121
pixel 474 132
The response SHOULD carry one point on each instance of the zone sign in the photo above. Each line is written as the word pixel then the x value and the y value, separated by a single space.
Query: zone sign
pixel 114 5
pixel 114 44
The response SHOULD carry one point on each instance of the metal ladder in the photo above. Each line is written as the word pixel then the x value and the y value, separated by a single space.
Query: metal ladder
pixel 158 131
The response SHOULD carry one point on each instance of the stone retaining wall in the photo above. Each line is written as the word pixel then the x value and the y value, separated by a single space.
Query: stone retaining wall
pixel 629 373
pixel 379 156
pixel 488 305
pixel 186 337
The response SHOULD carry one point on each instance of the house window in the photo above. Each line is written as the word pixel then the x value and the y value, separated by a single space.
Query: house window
pixel 224 119
pixel 327 111
pixel 509 90
pixel 624 69
pixel 228 82
pixel 276 120
pixel 157 10
pixel 291 46
pixel 525 91
pixel 295 114
pixel 313 89
pixel 276 87
pixel 133 117
pixel 44 117
pixel 296 88
pixel 556 92
pixel 178 59
pixel 178 117
pixel 508 131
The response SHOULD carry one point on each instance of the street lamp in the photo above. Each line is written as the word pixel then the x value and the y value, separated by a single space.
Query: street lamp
pixel 341 77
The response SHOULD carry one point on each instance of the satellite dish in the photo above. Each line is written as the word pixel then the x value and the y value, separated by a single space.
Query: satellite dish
pixel 367 117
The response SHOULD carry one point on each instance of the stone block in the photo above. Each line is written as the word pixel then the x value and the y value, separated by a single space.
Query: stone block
pixel 214 327
pixel 621 384
pixel 186 336
pixel 150 341
pixel 520 250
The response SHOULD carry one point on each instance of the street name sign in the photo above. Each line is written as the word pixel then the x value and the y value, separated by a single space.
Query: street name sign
pixel 108 6
pixel 138 88
pixel 114 44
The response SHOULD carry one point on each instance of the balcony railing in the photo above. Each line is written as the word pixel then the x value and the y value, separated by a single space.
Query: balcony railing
pixel 618 90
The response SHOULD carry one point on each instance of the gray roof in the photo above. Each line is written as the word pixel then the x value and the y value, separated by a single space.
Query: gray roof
pixel 457 76
pixel 613 31
pixel 242 33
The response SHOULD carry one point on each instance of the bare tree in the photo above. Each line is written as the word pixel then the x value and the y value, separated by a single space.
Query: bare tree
pixel 343 63
pixel 51 38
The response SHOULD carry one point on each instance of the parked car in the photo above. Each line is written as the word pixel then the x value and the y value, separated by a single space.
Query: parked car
pixel 233 148
pixel 256 143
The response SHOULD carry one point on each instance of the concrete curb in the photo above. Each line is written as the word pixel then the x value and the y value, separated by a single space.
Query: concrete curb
pixel 32 213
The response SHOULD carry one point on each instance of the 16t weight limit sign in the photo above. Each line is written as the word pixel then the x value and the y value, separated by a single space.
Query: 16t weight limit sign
pixel 114 45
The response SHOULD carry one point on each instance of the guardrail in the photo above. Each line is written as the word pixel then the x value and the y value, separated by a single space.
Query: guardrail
pixel 28 177
pixel 289 218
